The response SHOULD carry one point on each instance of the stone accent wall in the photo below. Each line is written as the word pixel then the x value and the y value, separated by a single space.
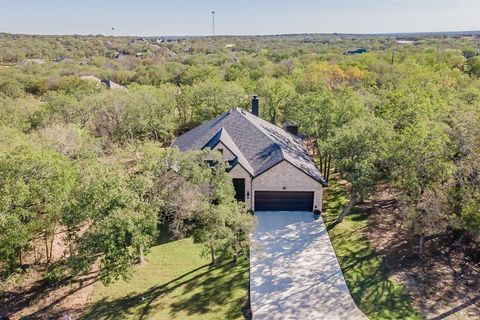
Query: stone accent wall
pixel 286 177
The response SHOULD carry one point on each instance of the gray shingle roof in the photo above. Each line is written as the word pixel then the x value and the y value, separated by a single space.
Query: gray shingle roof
pixel 258 142
pixel 224 137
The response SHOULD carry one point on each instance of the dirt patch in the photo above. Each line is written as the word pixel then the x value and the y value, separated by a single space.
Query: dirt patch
pixel 446 284
pixel 32 298
pixel 28 296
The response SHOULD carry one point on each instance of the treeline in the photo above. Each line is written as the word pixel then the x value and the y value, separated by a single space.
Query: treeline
pixel 92 162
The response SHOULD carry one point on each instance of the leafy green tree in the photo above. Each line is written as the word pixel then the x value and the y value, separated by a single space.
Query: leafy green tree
pixel 20 113
pixel 422 170
pixel 322 113
pixel 278 98
pixel 35 186
pixel 360 151
pixel 150 113
pixel 109 220
pixel 473 66
pixel 464 195
pixel 210 98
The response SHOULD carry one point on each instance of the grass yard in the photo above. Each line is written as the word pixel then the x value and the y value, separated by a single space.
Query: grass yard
pixel 176 283
pixel 377 295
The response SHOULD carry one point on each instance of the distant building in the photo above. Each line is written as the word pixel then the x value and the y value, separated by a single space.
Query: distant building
pixel 91 78
pixel 62 59
pixel 30 61
pixel 109 84
pixel 409 42
pixel 357 51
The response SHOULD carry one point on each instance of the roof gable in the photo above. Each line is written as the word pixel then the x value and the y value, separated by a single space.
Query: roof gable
pixel 223 137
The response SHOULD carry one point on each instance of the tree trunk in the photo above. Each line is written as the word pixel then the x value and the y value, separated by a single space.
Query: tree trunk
pixel 421 245
pixel 20 261
pixel 35 254
pixel 362 197
pixel 140 254
pixel 328 168
pixel 214 256
pixel 349 206
pixel 51 248
pixel 47 255
pixel 325 166
pixel 235 252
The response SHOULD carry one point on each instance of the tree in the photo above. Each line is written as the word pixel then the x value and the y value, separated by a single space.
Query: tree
pixel 197 200
pixel 422 170
pixel 108 220
pixel 322 114
pixel 149 113
pixel 359 149
pixel 464 195
pixel 279 97
pixel 35 186
pixel 473 66
pixel 212 97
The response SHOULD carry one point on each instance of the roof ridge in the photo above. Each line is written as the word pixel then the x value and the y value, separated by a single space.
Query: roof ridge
pixel 256 125
pixel 263 131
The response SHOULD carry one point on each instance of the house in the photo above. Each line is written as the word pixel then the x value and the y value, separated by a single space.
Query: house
pixel 109 84
pixel 357 51
pixel 30 62
pixel 271 169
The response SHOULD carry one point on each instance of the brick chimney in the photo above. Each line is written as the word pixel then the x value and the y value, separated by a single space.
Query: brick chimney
pixel 255 106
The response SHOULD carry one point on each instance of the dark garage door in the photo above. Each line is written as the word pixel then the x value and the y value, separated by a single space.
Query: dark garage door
pixel 283 201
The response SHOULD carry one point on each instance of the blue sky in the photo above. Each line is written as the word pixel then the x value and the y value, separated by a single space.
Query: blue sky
pixel 192 17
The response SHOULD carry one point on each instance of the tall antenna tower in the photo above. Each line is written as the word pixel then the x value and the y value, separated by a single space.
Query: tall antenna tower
pixel 213 23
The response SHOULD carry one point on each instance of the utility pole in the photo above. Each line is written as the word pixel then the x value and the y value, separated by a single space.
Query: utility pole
pixel 213 23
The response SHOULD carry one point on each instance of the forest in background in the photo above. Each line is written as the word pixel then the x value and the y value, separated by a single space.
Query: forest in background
pixel 92 162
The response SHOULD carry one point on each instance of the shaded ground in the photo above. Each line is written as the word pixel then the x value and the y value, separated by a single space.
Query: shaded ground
pixel 294 272
pixel 446 284
pixel 375 292
pixel 176 283
pixel 27 295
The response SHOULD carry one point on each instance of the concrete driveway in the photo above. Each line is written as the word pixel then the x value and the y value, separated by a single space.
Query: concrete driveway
pixel 294 273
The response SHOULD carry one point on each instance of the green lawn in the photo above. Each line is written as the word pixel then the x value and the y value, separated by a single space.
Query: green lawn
pixel 176 283
pixel 377 295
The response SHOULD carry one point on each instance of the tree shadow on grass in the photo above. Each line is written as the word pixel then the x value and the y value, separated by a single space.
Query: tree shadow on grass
pixel 369 283
pixel 216 290
pixel 365 270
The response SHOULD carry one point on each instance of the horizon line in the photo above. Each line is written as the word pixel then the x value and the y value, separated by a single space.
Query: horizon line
pixel 251 35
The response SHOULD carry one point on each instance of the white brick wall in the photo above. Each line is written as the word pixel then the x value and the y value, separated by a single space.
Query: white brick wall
pixel 275 179
pixel 286 177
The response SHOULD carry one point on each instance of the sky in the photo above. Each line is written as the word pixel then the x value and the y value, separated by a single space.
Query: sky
pixel 236 17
